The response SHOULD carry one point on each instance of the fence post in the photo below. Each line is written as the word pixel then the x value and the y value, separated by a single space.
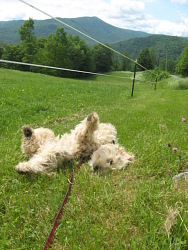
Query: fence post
pixel 156 82
pixel 134 77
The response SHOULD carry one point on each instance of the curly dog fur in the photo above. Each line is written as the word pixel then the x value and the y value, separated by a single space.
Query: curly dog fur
pixel 89 139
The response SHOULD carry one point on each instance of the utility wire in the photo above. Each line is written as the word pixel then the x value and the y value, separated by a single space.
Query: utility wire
pixel 58 20
pixel 63 69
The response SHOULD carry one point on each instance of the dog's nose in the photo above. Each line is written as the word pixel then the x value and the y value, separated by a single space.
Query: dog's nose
pixel 96 168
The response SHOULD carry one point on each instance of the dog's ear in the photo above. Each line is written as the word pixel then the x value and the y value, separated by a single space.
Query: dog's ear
pixel 126 155
pixel 27 131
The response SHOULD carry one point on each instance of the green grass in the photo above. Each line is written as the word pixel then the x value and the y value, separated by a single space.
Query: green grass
pixel 120 210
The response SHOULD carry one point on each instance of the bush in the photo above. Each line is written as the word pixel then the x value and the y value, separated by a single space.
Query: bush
pixel 156 72
pixel 163 75
pixel 182 85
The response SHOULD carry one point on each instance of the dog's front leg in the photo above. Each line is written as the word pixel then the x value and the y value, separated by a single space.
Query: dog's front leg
pixel 92 122
pixel 85 130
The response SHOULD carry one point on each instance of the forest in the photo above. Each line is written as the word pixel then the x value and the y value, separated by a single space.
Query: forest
pixel 72 52
pixel 59 50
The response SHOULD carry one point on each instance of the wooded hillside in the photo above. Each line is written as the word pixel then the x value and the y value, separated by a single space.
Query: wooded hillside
pixel 170 46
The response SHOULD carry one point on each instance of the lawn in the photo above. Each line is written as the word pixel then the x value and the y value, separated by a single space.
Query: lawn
pixel 137 208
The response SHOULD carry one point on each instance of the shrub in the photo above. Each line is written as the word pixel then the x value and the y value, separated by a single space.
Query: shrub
pixel 160 75
pixel 182 85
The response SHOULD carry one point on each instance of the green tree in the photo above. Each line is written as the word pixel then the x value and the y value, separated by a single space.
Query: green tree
pixel 1 51
pixel 145 59
pixel 13 53
pixel 162 64
pixel 171 64
pixel 63 51
pixel 121 63
pixel 39 57
pixel 102 58
pixel 80 55
pixel 153 56
pixel 116 61
pixel 53 51
pixel 126 63
pixel 182 65
pixel 28 40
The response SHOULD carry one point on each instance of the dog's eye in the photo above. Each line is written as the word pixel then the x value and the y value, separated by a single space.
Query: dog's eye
pixel 111 162
pixel 113 142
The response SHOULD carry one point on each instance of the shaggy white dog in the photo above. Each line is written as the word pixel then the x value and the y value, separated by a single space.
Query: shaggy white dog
pixel 89 139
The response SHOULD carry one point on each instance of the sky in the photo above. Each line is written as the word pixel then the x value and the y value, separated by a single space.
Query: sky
pixel 168 17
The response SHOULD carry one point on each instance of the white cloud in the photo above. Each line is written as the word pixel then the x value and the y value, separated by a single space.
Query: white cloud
pixel 69 8
pixel 155 26
pixel 128 6
pixel 126 14
pixel 180 1
pixel 13 9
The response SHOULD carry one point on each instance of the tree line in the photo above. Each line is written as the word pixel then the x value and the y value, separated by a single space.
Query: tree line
pixel 150 59
pixel 65 51
pixel 58 50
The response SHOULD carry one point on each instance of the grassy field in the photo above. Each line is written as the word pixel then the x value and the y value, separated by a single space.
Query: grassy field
pixel 138 208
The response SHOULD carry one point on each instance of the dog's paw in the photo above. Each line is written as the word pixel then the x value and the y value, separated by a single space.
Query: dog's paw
pixel 92 118
pixel 27 131
pixel 22 167
pixel 131 158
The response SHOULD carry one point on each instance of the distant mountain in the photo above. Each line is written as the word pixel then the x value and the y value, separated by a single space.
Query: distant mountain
pixel 91 26
pixel 122 40
pixel 165 46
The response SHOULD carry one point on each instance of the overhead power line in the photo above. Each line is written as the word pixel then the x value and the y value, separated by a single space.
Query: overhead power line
pixel 82 33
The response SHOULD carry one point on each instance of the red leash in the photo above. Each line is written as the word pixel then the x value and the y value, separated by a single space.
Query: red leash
pixel 50 239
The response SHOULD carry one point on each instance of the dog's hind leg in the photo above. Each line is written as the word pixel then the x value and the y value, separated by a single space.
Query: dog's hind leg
pixel 33 139
pixel 27 167
pixel 29 142
pixel 36 165
pixel 47 161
